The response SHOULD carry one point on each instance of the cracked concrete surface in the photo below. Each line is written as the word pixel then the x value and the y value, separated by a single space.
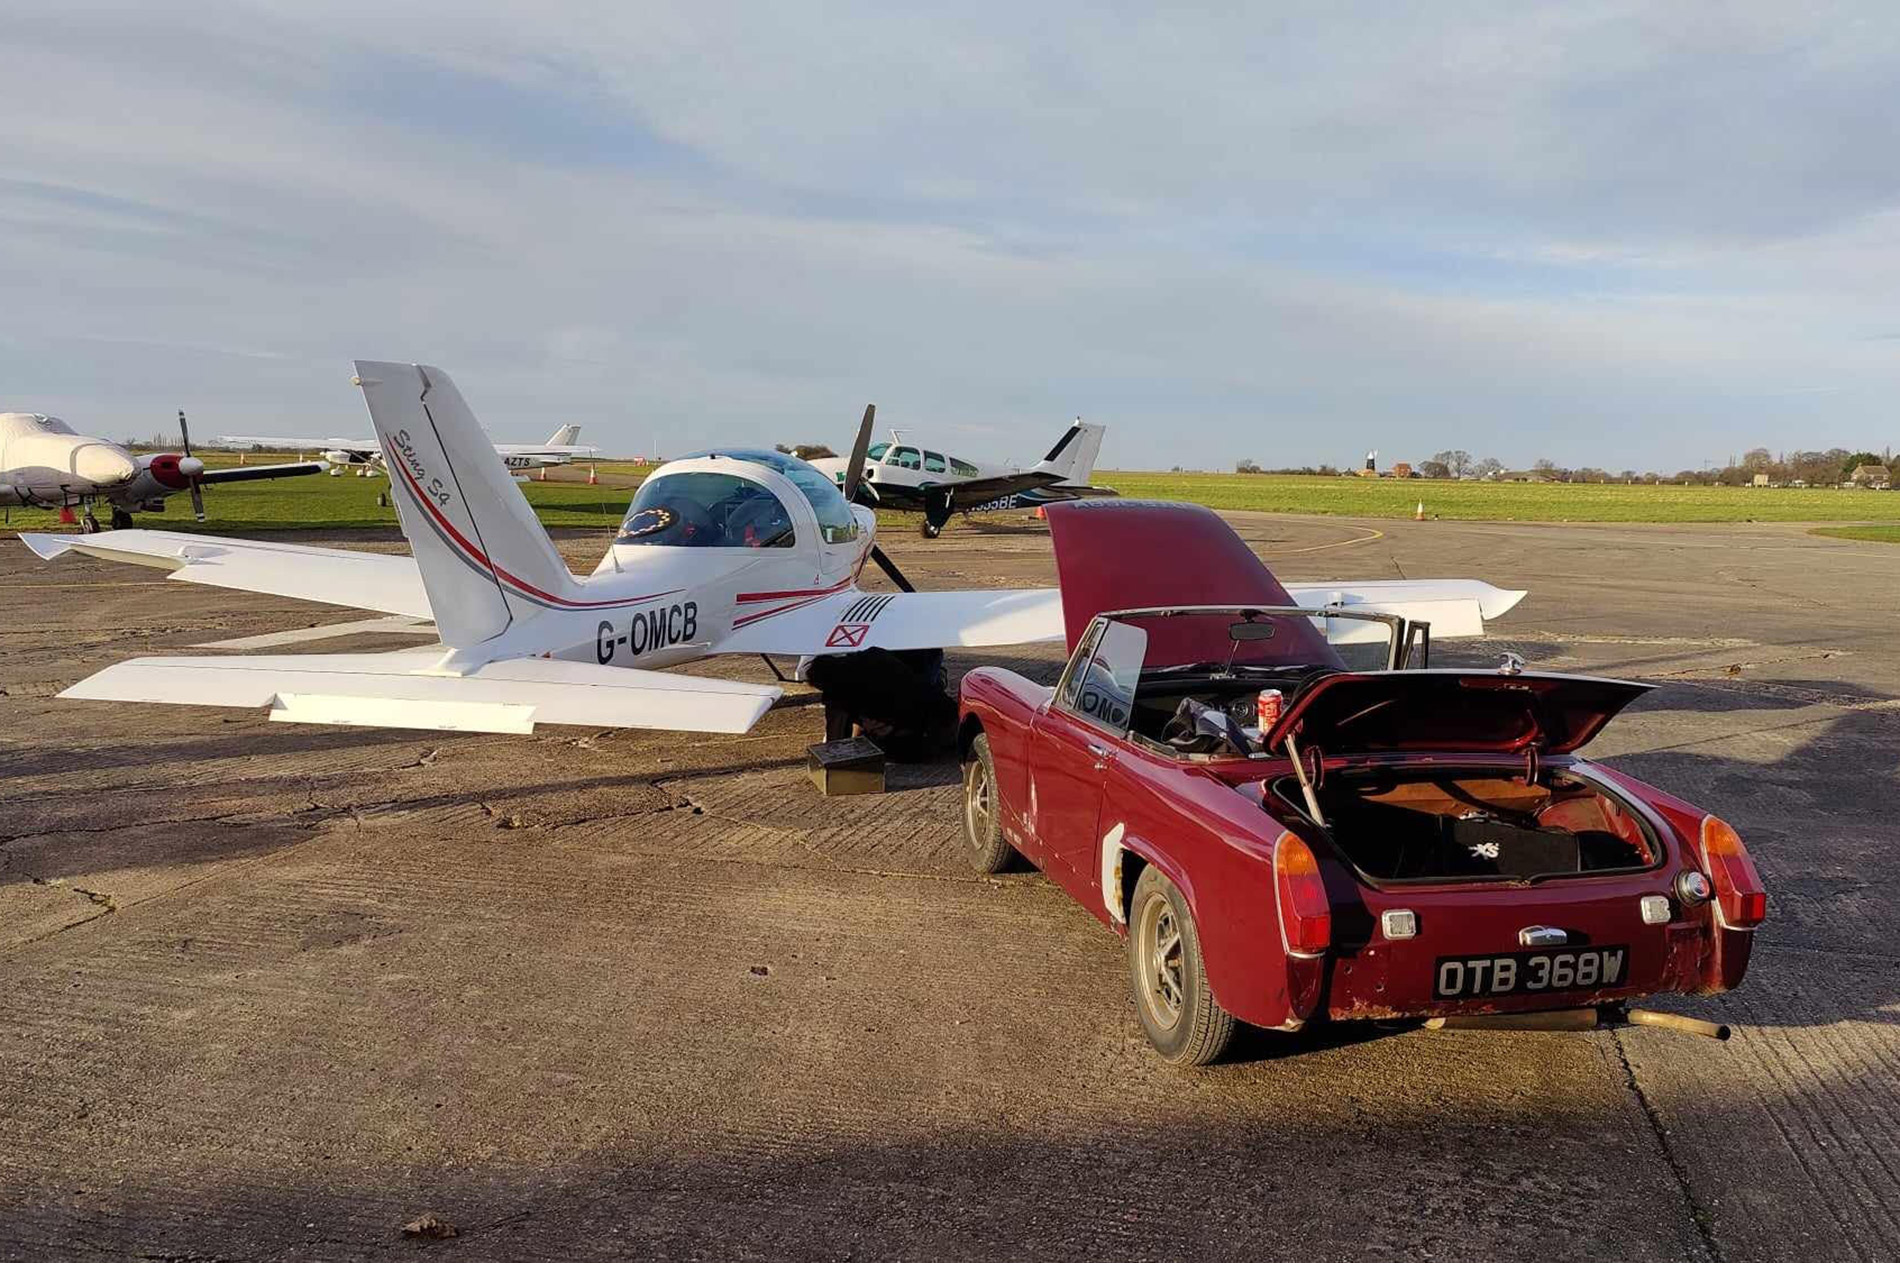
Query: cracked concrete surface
pixel 270 992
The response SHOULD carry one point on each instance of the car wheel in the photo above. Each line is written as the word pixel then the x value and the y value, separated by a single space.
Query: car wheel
pixel 1177 1009
pixel 982 829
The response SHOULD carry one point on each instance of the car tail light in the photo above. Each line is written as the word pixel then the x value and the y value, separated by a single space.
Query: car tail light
pixel 1738 889
pixel 1306 916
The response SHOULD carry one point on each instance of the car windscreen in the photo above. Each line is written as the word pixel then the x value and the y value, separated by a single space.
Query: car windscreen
pixel 1186 641
pixel 706 510
pixel 1102 686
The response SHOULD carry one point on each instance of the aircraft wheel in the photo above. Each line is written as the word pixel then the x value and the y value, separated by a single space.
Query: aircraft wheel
pixel 121 520
pixel 88 524
pixel 932 529
pixel 1178 1012
pixel 982 826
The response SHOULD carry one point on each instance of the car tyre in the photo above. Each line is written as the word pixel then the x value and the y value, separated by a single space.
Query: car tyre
pixel 990 852
pixel 1176 1007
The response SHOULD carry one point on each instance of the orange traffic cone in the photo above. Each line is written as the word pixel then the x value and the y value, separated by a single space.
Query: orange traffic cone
pixel 1042 514
pixel 1420 515
pixel 66 517
pixel 593 476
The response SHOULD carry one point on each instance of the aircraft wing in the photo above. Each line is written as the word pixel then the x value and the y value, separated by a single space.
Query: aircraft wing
pixel 387 582
pixel 544 449
pixel 278 443
pixel 903 620
pixel 250 473
pixel 981 490
pixel 1454 607
pixel 405 690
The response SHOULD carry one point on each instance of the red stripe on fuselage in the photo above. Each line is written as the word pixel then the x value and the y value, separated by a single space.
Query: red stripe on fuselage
pixel 839 586
pixel 480 558
pixel 783 609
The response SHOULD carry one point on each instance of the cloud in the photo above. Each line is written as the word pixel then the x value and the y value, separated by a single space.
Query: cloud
pixel 1605 233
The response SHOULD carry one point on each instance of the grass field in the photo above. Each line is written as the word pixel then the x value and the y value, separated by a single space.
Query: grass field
pixel 1879 532
pixel 1507 501
pixel 349 501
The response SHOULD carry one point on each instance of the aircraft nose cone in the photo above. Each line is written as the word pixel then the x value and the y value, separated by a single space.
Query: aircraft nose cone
pixel 101 463
pixel 190 466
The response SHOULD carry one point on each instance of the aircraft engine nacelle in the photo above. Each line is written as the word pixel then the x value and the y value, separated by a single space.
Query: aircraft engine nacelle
pixel 158 477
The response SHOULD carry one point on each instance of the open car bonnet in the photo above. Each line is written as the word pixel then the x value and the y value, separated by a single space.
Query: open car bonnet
pixel 1127 554
pixel 1451 712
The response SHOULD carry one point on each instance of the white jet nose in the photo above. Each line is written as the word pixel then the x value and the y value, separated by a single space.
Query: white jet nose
pixel 102 464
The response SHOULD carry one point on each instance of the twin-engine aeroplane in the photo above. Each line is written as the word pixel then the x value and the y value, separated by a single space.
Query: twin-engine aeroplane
pixel 919 478
pixel 45 464
pixel 365 456
pixel 730 551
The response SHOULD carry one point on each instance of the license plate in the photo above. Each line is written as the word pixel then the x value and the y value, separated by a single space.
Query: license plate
pixel 1516 973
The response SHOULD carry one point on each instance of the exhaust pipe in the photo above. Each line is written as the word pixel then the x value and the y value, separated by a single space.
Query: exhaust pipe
pixel 1676 1022
pixel 1578 1020
pixel 1549 1020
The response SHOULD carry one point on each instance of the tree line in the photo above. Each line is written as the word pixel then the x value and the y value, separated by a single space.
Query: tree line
pixel 1813 468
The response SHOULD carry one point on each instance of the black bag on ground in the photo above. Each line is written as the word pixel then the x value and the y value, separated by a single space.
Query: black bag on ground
pixel 896 699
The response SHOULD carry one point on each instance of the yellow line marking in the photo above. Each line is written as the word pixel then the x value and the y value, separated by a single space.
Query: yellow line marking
pixel 1373 534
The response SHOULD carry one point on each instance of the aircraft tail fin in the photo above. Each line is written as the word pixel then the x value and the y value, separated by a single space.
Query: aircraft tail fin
pixel 486 562
pixel 566 436
pixel 1073 456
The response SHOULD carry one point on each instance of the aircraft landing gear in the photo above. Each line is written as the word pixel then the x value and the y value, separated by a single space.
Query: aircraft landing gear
pixel 899 700
pixel 936 512
pixel 88 524
pixel 121 520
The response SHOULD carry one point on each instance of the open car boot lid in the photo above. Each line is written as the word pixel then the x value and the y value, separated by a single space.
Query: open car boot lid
pixel 1451 712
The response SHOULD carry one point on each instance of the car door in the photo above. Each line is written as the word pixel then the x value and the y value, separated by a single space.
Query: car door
pixel 1076 737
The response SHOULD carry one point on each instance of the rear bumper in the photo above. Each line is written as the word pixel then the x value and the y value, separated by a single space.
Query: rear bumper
pixel 1381 980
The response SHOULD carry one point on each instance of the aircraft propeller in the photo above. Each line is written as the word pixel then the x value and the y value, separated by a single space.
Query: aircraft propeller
pixel 191 467
pixel 854 483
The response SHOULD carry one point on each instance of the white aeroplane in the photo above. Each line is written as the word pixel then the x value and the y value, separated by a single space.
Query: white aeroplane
pixel 922 479
pixel 44 464
pixel 366 456
pixel 725 552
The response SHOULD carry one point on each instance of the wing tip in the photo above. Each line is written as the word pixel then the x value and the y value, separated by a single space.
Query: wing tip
pixel 1503 602
pixel 46 547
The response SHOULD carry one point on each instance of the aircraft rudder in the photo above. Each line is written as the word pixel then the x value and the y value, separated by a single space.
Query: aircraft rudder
pixel 1073 456
pixel 485 559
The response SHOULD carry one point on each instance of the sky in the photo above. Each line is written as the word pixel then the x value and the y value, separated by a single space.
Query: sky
pixel 1627 235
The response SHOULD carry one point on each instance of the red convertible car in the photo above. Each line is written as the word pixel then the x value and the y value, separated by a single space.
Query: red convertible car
pixel 1284 839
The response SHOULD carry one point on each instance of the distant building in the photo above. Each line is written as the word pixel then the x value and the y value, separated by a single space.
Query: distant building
pixel 1760 480
pixel 1873 477
pixel 1402 469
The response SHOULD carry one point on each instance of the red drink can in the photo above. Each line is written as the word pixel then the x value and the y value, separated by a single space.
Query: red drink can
pixel 1268 706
